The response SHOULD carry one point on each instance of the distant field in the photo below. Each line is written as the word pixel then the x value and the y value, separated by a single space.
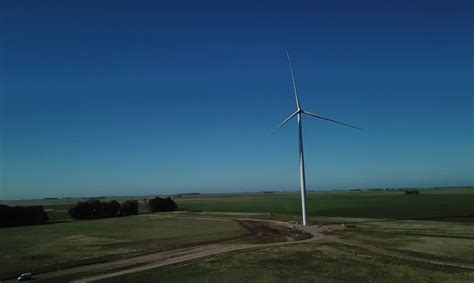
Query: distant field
pixel 42 247
pixel 67 243
pixel 454 203
pixel 301 263
pixel 432 203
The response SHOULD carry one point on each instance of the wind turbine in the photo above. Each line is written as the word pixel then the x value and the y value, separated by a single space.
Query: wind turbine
pixel 299 112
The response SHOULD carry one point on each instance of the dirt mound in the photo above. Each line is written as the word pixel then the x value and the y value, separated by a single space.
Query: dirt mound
pixel 266 232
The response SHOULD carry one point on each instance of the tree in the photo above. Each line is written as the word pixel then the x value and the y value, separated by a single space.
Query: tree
pixel 162 204
pixel 412 192
pixel 94 209
pixel 110 209
pixel 129 207
pixel 22 215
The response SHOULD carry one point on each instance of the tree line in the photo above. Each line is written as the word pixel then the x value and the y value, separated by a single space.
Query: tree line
pixel 91 209
pixel 94 209
pixel 161 204
pixel 22 215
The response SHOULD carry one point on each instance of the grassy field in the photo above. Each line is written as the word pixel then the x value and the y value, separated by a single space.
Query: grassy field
pixel 432 203
pixel 384 204
pixel 301 263
pixel 449 241
pixel 41 247
pixel 438 240
pixel 381 218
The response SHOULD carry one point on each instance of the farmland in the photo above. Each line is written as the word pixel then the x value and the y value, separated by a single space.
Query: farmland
pixel 455 204
pixel 451 241
pixel 53 246
pixel 379 204
pixel 435 225
pixel 300 263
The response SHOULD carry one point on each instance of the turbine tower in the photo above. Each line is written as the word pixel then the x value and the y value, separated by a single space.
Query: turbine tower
pixel 299 112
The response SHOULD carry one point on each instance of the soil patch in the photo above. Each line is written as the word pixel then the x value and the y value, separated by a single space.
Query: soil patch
pixel 267 232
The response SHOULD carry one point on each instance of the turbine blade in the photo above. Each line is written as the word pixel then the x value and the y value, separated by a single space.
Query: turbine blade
pixel 293 80
pixel 283 123
pixel 331 120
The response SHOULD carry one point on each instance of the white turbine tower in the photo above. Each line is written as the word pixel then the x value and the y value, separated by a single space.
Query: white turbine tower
pixel 299 112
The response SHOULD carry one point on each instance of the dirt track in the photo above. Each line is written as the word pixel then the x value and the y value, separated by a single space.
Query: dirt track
pixel 140 263
pixel 208 250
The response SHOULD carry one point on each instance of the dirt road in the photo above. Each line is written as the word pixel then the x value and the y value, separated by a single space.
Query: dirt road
pixel 144 262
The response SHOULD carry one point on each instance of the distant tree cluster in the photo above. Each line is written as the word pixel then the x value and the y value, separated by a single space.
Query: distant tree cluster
pixel 22 215
pixel 93 209
pixel 161 204
pixel 412 192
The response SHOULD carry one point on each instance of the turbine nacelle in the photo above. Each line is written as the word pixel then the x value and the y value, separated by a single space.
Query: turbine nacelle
pixel 301 112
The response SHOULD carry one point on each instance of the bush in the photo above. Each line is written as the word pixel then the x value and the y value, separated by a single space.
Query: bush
pixel 22 215
pixel 161 204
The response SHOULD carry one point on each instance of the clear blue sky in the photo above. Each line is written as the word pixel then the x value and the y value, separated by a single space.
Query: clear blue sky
pixel 153 97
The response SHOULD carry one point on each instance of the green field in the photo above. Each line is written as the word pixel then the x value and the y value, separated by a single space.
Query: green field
pixel 52 246
pixel 438 224
pixel 449 241
pixel 301 263
pixel 431 240
pixel 456 204
pixel 435 203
